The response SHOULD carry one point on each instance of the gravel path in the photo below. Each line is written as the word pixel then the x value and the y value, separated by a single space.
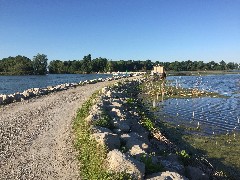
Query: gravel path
pixel 36 135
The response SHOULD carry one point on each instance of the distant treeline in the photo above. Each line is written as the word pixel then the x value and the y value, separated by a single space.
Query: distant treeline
pixel 21 65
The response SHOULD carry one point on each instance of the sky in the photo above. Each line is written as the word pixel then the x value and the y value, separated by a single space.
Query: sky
pixel 159 30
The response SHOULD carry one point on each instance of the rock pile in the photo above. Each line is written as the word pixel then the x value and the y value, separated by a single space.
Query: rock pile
pixel 132 148
pixel 35 92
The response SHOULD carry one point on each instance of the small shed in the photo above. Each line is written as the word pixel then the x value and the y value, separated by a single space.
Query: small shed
pixel 157 70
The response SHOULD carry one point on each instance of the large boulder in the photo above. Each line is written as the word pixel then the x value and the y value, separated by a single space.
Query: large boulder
pixel 119 162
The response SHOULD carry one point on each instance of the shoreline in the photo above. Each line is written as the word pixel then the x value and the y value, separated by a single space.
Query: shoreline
pixel 37 92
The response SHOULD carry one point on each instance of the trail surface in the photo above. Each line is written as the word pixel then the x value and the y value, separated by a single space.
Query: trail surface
pixel 36 140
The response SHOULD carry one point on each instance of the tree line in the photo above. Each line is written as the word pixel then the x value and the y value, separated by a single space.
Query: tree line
pixel 21 65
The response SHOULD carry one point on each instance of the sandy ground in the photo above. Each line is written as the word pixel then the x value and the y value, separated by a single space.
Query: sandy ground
pixel 36 138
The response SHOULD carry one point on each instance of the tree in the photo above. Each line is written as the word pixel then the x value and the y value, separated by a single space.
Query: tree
pixel 109 67
pixel 87 64
pixel 19 65
pixel 223 65
pixel 40 64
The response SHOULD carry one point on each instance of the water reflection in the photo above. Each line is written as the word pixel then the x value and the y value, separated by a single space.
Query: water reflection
pixel 213 115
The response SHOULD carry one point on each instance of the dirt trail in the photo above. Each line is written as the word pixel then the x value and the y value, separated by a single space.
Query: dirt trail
pixel 36 135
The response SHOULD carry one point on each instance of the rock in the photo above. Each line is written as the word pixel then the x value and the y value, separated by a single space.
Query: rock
pixel 196 173
pixel 133 142
pixel 134 135
pixel 117 131
pixel 3 98
pixel 112 141
pixel 18 97
pixel 100 79
pixel 166 176
pixel 123 127
pixel 26 94
pixel 9 99
pixel 99 129
pixel 136 151
pixel 171 163
pixel 105 90
pixel 109 94
pixel 119 162
pixel 50 88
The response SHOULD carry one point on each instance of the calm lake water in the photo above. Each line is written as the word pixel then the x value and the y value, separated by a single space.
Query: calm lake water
pixel 214 115
pixel 12 84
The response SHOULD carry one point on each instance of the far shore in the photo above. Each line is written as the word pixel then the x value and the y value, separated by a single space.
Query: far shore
pixel 195 73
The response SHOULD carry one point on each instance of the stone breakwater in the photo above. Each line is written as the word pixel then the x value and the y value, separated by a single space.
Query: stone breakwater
pixel 36 92
pixel 131 147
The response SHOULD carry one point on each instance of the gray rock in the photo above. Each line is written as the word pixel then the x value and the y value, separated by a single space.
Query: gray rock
pixel 171 163
pixel 119 162
pixel 123 127
pixel 196 173
pixel 18 97
pixel 99 129
pixel 117 131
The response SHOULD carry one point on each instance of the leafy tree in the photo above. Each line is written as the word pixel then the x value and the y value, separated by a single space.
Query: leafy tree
pixel 87 64
pixel 99 64
pixel 55 67
pixel 109 67
pixel 223 65
pixel 19 65
pixel 40 64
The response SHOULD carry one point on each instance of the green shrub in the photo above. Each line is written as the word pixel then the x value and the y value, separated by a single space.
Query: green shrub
pixel 149 165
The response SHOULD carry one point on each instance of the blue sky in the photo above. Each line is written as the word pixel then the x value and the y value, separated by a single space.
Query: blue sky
pixel 163 30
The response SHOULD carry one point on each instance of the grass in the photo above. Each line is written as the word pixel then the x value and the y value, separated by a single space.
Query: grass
pixel 91 155
pixel 222 150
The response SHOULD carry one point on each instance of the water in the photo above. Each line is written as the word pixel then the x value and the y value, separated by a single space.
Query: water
pixel 12 84
pixel 213 115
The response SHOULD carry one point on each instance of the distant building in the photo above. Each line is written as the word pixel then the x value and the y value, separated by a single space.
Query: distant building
pixel 159 70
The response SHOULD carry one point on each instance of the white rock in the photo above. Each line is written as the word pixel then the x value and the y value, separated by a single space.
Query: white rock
pixel 166 175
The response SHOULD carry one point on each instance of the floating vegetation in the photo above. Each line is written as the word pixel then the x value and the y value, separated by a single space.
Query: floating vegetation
pixel 162 89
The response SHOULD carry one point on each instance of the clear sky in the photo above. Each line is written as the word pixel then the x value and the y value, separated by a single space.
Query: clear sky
pixel 163 30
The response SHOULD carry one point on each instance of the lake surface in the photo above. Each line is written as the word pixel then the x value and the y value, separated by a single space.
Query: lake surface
pixel 12 84
pixel 213 115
